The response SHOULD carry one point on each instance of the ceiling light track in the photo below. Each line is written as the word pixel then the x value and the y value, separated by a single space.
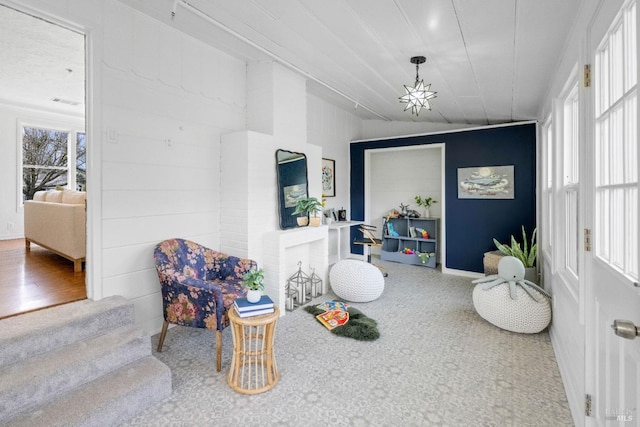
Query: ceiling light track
pixel 208 18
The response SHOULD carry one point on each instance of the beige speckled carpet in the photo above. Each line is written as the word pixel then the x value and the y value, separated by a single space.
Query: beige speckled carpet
pixel 436 363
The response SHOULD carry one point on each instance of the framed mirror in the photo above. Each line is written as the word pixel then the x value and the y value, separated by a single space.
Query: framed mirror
pixel 292 184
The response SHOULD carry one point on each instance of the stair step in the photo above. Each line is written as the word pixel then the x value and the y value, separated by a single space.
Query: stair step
pixel 36 380
pixel 30 334
pixel 107 401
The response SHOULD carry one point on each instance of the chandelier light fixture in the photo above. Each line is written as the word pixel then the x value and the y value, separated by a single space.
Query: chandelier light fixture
pixel 418 96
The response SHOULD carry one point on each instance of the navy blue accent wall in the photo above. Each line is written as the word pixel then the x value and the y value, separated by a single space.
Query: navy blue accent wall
pixel 471 223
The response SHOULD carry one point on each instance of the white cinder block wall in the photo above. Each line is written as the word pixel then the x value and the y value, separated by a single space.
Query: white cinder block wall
pixel 275 111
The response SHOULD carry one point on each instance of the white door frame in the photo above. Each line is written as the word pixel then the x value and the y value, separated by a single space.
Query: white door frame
pixel 93 112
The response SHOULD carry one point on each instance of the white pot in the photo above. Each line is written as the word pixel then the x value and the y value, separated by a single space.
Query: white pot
pixel 427 214
pixel 254 295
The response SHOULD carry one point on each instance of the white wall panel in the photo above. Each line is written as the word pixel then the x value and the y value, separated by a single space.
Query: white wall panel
pixel 137 203
pixel 148 312
pixel 124 259
pixel 131 231
pixel 122 176
pixel 170 70
pixel 567 337
pixel 146 58
pixel 160 173
pixel 191 66
pixel 134 285
pixel 332 129
pixel 118 35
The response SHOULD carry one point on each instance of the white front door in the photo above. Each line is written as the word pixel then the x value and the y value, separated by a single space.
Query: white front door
pixel 613 362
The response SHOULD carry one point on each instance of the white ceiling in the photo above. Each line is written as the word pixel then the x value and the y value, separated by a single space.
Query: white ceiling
pixel 490 61
pixel 40 62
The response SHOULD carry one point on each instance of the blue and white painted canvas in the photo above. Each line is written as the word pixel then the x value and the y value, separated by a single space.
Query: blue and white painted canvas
pixel 486 182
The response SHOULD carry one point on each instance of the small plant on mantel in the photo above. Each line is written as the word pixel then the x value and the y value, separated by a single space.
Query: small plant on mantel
pixel 306 206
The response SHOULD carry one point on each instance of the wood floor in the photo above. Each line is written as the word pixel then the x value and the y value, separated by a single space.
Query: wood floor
pixel 37 279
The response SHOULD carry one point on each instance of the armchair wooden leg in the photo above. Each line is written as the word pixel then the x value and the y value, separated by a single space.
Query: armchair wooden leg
pixel 165 325
pixel 218 350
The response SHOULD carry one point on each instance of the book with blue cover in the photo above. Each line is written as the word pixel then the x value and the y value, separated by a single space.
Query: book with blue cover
pixel 243 305
pixel 252 313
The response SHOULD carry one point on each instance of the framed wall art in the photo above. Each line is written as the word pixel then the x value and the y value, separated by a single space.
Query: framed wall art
pixel 328 177
pixel 486 182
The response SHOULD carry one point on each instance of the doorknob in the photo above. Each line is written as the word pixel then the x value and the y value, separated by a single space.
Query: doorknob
pixel 625 329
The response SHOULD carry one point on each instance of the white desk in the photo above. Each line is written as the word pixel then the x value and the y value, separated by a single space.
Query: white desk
pixel 337 228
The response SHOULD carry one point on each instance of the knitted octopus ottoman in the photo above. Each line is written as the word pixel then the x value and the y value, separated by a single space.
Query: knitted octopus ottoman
pixel 356 281
pixel 511 302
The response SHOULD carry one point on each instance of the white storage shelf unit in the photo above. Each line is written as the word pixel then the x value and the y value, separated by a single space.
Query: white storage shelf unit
pixel 392 246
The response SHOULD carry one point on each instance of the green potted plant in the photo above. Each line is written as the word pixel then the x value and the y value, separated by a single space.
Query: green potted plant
pixel 252 280
pixel 526 253
pixel 426 203
pixel 304 208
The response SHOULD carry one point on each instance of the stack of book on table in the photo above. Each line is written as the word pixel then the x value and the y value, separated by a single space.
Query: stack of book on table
pixel 248 309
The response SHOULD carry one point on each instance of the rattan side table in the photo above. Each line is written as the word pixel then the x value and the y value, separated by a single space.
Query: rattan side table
pixel 253 365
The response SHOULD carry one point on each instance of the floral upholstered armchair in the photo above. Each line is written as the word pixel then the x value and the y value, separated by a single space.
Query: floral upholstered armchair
pixel 198 285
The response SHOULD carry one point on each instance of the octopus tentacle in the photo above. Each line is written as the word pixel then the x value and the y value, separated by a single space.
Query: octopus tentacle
pixel 486 279
pixel 530 291
pixel 537 288
pixel 496 282
pixel 512 290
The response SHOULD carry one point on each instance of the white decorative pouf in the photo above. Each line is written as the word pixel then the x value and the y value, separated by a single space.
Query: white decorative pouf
pixel 511 302
pixel 356 281
pixel 523 314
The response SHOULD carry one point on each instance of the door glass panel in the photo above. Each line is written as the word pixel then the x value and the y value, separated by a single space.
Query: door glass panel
pixel 616 210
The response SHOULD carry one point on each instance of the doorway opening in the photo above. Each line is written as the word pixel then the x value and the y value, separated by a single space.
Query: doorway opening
pixel 397 175
pixel 42 121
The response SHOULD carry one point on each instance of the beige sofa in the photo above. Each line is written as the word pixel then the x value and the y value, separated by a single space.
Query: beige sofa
pixel 56 220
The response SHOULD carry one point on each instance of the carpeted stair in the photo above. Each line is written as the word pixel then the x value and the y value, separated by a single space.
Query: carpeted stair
pixel 78 364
